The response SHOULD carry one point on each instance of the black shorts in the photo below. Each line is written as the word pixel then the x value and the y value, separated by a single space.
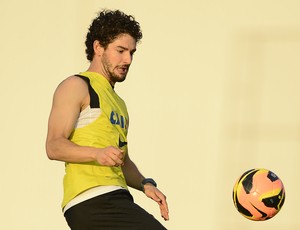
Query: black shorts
pixel 111 211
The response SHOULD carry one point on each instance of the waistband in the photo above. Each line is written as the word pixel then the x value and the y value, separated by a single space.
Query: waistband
pixel 91 193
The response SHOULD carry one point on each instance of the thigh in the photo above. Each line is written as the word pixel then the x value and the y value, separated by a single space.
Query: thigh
pixel 112 211
pixel 132 216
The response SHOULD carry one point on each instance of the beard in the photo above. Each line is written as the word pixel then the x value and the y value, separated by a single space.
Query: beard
pixel 114 73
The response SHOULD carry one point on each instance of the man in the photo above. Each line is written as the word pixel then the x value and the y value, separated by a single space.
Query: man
pixel 87 129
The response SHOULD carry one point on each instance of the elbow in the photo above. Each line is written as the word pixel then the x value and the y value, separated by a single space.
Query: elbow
pixel 50 155
pixel 50 151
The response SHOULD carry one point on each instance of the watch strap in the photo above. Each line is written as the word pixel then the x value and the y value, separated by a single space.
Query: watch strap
pixel 146 181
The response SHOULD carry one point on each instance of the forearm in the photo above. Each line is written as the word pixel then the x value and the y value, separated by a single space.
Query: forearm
pixel 62 149
pixel 132 175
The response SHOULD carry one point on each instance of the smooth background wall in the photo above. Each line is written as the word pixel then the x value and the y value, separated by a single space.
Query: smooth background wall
pixel 213 91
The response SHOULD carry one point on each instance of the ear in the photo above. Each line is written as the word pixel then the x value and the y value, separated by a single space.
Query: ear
pixel 98 49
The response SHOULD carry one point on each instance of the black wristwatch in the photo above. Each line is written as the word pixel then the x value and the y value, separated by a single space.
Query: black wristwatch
pixel 147 180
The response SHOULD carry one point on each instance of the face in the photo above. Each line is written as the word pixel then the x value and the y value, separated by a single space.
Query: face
pixel 117 57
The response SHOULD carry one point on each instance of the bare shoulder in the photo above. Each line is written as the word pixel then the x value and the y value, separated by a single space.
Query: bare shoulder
pixel 74 89
pixel 73 82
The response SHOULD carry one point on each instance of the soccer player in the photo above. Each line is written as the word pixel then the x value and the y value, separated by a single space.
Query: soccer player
pixel 87 130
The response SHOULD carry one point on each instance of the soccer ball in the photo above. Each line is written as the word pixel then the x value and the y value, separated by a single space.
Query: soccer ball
pixel 258 194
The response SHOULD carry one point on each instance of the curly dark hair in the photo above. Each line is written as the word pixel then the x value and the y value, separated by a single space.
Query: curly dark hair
pixel 107 26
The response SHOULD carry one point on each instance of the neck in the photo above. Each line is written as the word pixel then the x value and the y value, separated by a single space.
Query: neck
pixel 97 69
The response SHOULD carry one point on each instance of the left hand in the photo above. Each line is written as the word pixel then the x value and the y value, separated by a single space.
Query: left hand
pixel 156 195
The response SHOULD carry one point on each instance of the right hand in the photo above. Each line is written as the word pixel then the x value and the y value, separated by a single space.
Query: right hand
pixel 110 156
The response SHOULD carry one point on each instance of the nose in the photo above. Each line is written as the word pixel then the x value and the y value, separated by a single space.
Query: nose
pixel 127 58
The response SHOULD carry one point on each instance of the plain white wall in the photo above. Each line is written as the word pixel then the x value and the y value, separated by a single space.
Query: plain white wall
pixel 212 92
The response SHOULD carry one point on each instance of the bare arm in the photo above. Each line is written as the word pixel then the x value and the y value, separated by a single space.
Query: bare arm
pixel 132 174
pixel 70 97
pixel 134 179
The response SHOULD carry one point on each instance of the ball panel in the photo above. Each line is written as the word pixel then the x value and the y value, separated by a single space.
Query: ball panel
pixel 248 181
pixel 275 201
